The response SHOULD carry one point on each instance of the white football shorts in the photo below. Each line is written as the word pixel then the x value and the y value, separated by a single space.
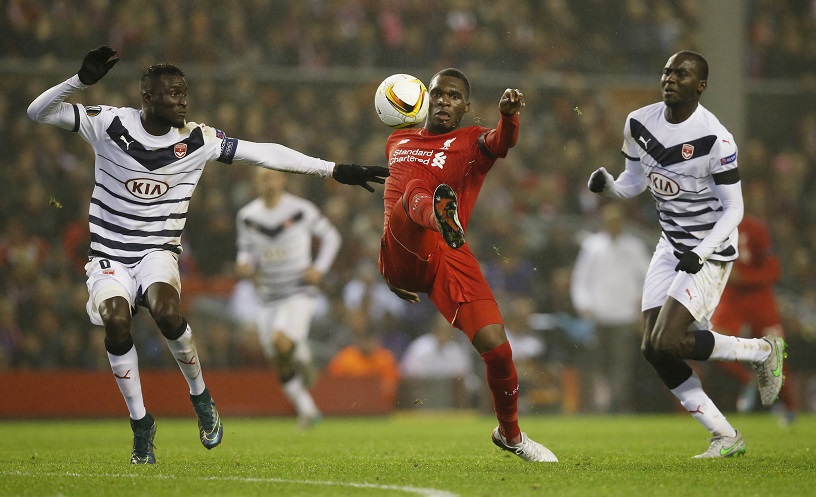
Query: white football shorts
pixel 108 278
pixel 699 293
pixel 291 316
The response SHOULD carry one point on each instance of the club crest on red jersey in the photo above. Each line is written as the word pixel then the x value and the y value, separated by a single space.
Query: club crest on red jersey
pixel 180 150
pixel 687 151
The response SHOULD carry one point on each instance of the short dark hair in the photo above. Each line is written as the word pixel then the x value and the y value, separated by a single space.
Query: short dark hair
pixel 702 63
pixel 152 73
pixel 456 73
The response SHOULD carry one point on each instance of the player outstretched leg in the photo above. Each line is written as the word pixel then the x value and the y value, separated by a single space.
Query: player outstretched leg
pixel 144 431
pixel 210 428
pixel 503 382
pixel 447 216
pixel 769 372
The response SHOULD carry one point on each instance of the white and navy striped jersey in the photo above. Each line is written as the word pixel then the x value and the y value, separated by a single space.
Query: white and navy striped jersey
pixel 143 183
pixel 682 162
pixel 277 242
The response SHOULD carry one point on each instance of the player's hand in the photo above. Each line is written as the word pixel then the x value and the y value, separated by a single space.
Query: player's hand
pixel 352 174
pixel 599 179
pixel 95 65
pixel 311 276
pixel 690 262
pixel 511 102
pixel 403 294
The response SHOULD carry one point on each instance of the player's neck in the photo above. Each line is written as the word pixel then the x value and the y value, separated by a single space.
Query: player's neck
pixel 271 201
pixel 152 127
pixel 677 114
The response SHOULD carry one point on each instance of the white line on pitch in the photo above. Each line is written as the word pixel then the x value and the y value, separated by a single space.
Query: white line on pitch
pixel 425 492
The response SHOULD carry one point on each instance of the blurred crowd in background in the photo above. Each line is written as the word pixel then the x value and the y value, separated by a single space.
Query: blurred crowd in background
pixel 303 74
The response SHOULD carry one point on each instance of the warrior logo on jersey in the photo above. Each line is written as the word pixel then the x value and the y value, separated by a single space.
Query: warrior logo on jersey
pixel 687 151
pixel 146 188
pixel 180 150
pixel 663 186
pixel 93 110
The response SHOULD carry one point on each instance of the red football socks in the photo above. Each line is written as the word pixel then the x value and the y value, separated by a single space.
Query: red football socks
pixel 419 201
pixel 503 383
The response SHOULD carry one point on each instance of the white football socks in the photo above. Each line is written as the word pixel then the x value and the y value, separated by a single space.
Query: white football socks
pixel 126 371
pixel 300 397
pixel 184 350
pixel 693 399
pixel 730 348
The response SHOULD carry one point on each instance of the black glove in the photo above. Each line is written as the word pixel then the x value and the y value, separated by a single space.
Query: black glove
pixel 352 174
pixel 96 64
pixel 597 181
pixel 690 262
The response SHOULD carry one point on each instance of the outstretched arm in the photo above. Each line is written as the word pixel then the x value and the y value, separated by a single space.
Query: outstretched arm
pixel 498 141
pixel 50 108
pixel 281 158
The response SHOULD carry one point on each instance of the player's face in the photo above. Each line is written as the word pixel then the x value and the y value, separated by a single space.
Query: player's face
pixel 166 103
pixel 681 82
pixel 448 104
pixel 271 183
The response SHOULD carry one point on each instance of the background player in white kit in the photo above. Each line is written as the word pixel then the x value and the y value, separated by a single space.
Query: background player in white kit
pixel 688 161
pixel 148 163
pixel 276 232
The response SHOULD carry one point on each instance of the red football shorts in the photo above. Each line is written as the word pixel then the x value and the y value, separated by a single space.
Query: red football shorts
pixel 418 260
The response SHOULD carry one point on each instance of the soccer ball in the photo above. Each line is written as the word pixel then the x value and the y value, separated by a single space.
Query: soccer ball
pixel 401 101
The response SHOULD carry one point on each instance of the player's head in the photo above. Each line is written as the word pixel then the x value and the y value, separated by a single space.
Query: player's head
pixel 685 78
pixel 612 217
pixel 164 95
pixel 449 93
pixel 270 184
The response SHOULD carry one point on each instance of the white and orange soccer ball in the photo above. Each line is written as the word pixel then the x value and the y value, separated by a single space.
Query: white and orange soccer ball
pixel 401 101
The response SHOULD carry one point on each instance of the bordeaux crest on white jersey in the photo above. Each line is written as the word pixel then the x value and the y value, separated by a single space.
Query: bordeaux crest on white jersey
pixel 143 183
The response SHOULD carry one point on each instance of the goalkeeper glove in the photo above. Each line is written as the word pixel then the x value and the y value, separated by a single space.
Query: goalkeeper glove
pixel 690 262
pixel 96 64
pixel 352 174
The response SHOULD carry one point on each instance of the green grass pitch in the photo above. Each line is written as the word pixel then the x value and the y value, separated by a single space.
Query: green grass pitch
pixel 425 454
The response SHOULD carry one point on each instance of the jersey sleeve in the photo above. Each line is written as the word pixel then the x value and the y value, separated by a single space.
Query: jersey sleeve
pixel 497 142
pixel 245 251
pixel 280 158
pixel 50 108
pixel 629 149
pixel 723 154
pixel 92 121
pixel 330 239
pixel 220 147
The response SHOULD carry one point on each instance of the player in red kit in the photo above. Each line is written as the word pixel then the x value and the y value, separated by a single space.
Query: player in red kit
pixel 436 173
pixel 748 304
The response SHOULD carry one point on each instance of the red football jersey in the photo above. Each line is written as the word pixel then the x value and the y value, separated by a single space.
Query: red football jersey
pixel 460 159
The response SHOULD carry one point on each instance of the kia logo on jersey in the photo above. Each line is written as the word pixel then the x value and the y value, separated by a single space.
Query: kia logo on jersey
pixel 687 151
pixel 181 150
pixel 146 188
pixel 663 186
